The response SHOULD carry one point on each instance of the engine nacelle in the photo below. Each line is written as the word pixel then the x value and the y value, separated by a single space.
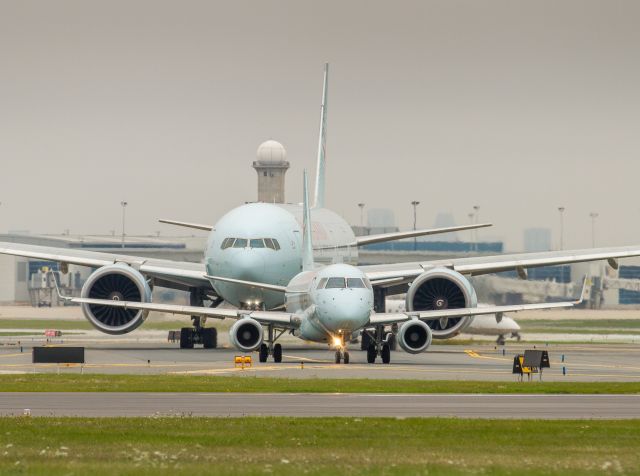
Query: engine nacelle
pixel 439 289
pixel 118 282
pixel 414 336
pixel 246 334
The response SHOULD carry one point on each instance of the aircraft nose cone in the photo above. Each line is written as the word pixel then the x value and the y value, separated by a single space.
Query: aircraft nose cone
pixel 249 266
pixel 344 312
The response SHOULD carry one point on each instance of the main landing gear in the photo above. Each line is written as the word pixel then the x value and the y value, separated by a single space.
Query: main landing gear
pixel 269 347
pixel 198 334
pixel 379 345
pixel 207 336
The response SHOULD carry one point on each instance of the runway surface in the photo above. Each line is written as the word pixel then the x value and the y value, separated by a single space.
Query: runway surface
pixel 308 405
pixel 473 361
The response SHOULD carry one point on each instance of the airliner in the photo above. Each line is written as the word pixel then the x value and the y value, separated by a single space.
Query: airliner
pixel 258 260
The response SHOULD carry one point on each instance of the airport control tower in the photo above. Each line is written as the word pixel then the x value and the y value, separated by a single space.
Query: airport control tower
pixel 271 165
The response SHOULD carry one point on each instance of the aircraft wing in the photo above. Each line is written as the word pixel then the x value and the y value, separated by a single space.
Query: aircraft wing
pixel 181 274
pixel 396 317
pixel 280 319
pixel 477 265
pixel 383 237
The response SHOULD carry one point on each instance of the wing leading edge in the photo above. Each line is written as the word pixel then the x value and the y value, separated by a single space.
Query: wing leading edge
pixel 478 265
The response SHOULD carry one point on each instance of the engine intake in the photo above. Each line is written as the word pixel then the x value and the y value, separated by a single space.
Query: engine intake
pixel 439 289
pixel 414 336
pixel 246 334
pixel 118 282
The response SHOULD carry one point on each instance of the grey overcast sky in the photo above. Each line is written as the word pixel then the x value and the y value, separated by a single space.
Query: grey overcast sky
pixel 517 107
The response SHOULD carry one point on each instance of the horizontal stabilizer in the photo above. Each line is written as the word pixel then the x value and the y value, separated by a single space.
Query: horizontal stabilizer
pixel 197 226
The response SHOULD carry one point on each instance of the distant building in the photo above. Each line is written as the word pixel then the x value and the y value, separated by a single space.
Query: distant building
pixel 537 239
pixel 443 220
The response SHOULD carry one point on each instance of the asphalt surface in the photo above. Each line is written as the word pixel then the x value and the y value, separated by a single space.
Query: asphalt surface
pixel 474 361
pixel 318 405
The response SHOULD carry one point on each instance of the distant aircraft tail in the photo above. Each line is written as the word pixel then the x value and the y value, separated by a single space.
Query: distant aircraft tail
pixel 307 245
pixel 322 141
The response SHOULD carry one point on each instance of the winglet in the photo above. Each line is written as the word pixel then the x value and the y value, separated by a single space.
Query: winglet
pixel 585 290
pixel 307 245
pixel 55 283
pixel 322 141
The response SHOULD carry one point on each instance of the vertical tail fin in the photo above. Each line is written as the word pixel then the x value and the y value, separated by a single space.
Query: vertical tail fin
pixel 307 245
pixel 322 140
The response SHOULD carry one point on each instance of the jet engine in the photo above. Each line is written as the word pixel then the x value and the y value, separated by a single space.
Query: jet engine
pixel 246 334
pixel 439 289
pixel 414 336
pixel 118 282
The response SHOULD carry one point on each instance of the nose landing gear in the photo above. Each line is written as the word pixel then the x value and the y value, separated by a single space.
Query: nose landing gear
pixel 342 355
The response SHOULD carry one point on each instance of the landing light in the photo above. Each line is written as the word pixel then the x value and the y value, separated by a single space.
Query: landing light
pixel 337 341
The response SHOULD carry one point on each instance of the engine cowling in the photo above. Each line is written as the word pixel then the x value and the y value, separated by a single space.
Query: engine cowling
pixel 414 336
pixel 246 334
pixel 118 282
pixel 439 289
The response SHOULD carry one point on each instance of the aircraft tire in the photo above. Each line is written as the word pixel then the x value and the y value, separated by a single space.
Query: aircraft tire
pixel 371 354
pixel 209 337
pixel 186 338
pixel 277 353
pixel 345 358
pixel 365 340
pixel 264 353
pixel 338 357
pixel 386 354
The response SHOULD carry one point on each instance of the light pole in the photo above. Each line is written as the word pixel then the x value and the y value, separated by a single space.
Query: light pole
pixel 593 216
pixel 361 205
pixel 415 204
pixel 124 206
pixel 561 210
pixel 476 209
pixel 470 215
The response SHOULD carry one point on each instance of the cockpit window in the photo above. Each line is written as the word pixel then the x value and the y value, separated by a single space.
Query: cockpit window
pixel 240 243
pixel 367 283
pixel 355 283
pixel 269 243
pixel 276 244
pixel 257 243
pixel 322 283
pixel 335 283
pixel 227 243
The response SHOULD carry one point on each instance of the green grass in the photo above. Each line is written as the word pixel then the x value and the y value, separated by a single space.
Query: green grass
pixel 190 383
pixel 326 446
pixel 574 323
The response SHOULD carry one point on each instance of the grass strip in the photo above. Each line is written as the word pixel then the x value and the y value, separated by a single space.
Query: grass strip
pixel 327 446
pixel 249 383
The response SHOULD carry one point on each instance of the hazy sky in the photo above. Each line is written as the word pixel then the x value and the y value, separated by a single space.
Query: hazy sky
pixel 517 107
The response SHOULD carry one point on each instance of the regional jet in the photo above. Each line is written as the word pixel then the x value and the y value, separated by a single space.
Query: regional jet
pixel 264 259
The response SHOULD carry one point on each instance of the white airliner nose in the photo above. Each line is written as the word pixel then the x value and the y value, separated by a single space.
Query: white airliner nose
pixel 249 265
pixel 344 309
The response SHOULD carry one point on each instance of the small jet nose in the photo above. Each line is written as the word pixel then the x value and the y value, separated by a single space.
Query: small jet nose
pixel 346 313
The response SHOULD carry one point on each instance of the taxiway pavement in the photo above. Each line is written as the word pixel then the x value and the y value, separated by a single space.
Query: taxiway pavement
pixel 352 405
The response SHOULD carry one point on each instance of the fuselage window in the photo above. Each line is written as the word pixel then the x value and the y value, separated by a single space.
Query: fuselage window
pixel 227 243
pixel 322 282
pixel 335 283
pixel 257 243
pixel 240 243
pixel 355 283
pixel 269 243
